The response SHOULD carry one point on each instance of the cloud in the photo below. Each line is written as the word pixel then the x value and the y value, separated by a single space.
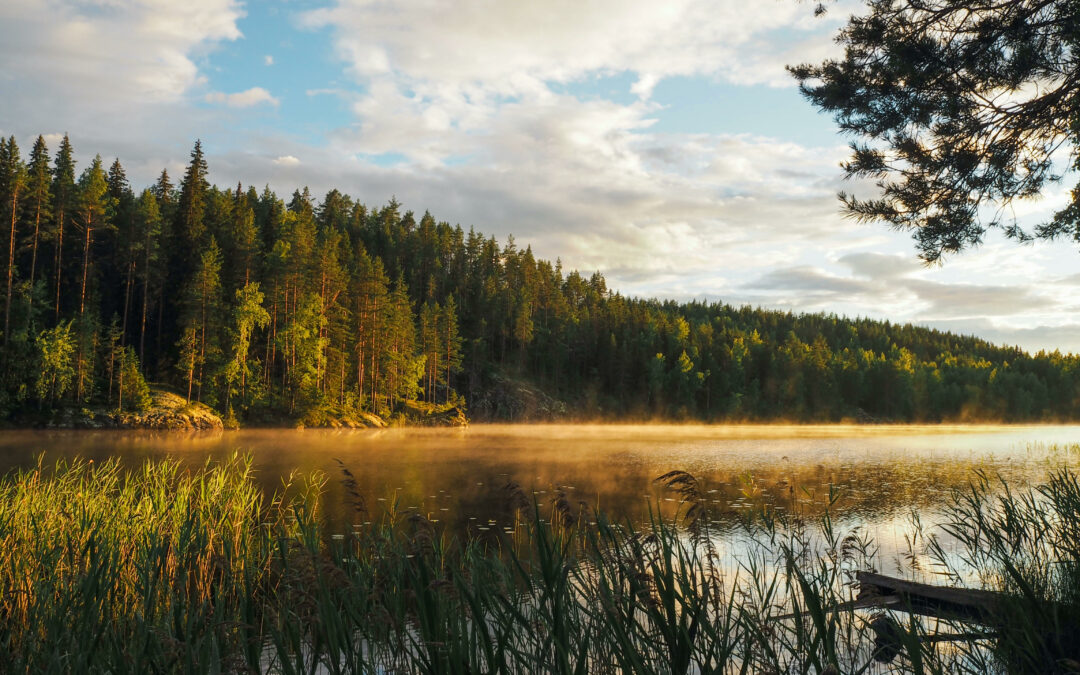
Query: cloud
pixel 493 136
pixel 117 75
pixel 111 50
pixel 874 265
pixel 268 60
pixel 243 99
pixel 959 300
pixel 1064 337
pixel 810 279
pixel 511 45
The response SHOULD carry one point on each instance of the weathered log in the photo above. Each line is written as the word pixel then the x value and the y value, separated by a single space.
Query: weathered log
pixel 943 602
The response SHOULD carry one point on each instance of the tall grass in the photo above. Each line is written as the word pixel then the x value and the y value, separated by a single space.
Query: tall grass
pixel 165 570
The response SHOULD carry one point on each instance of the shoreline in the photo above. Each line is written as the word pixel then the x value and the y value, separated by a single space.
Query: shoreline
pixel 735 430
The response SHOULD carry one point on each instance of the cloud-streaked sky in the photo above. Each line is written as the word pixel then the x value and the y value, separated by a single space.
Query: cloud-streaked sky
pixel 661 143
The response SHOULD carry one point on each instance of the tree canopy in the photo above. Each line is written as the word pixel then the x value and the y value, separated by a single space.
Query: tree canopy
pixel 323 311
pixel 960 108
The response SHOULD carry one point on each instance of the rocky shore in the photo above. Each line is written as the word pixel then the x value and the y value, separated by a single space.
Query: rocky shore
pixel 167 411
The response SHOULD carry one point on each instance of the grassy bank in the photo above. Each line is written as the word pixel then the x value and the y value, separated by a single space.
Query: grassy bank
pixel 165 570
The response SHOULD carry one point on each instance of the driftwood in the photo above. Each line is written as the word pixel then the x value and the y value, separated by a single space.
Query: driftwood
pixel 943 602
pixel 990 611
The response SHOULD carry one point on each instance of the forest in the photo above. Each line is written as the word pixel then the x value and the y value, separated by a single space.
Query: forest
pixel 278 311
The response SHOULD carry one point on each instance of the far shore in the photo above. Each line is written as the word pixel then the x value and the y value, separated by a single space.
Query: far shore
pixel 637 429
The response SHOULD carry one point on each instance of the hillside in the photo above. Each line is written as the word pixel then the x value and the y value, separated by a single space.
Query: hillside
pixel 312 311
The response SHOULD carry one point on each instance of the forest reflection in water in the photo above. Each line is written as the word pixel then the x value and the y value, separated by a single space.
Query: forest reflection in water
pixel 878 474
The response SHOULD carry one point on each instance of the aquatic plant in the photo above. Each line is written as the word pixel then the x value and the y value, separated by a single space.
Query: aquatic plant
pixel 169 570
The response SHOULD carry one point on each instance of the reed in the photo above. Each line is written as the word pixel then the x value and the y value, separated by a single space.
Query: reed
pixel 168 570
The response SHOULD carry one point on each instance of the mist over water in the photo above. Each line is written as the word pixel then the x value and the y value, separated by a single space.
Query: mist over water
pixel 880 474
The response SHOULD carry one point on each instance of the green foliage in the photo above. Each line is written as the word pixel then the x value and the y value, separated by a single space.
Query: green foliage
pixel 166 569
pixel 132 391
pixel 336 309
pixel 56 351
pixel 248 314
pixel 959 109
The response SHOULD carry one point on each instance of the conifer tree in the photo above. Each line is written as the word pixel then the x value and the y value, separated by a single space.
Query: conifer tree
pixel 190 227
pixel 372 300
pixel 64 194
pixel 126 248
pixel 13 181
pixel 93 204
pixel 38 203
pixel 429 345
pixel 450 344
pixel 148 217
pixel 199 323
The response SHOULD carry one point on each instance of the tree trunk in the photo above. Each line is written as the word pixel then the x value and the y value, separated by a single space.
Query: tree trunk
pixel 11 264
pixel 145 297
pixel 127 303
pixel 202 345
pixel 33 254
pixel 86 266
pixel 59 259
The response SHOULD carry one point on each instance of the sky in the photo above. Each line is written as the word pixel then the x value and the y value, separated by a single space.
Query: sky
pixel 660 143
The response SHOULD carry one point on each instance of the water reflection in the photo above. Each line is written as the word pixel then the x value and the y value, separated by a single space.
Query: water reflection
pixel 880 474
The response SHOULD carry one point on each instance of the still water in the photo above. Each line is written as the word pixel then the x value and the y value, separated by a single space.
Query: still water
pixel 879 474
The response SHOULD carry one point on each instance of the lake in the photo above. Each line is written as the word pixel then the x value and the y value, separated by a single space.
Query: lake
pixel 879 474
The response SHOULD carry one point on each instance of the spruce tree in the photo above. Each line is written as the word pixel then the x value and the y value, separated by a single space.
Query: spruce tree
pixel 190 226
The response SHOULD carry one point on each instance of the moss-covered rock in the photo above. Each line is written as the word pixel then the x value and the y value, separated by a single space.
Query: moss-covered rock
pixel 167 410
pixel 418 413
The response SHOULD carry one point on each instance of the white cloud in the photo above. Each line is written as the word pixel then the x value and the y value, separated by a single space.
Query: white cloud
pixel 118 75
pixel 268 60
pixel 471 95
pixel 563 40
pixel 118 49
pixel 243 99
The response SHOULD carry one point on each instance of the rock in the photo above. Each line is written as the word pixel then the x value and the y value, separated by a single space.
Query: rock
pixel 423 414
pixel 167 411
pixel 511 400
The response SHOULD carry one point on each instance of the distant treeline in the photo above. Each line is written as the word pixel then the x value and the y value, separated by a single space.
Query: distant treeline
pixel 269 310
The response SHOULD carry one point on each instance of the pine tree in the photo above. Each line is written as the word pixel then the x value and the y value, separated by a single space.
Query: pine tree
pixel 372 299
pixel 126 249
pixel 148 217
pixel 165 194
pixel 202 303
pixel 403 367
pixel 13 181
pixel 64 194
pixel 38 202
pixel 93 204
pixel 429 346
pixel 450 344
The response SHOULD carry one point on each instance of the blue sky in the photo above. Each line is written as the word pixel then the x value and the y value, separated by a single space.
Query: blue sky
pixel 662 144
